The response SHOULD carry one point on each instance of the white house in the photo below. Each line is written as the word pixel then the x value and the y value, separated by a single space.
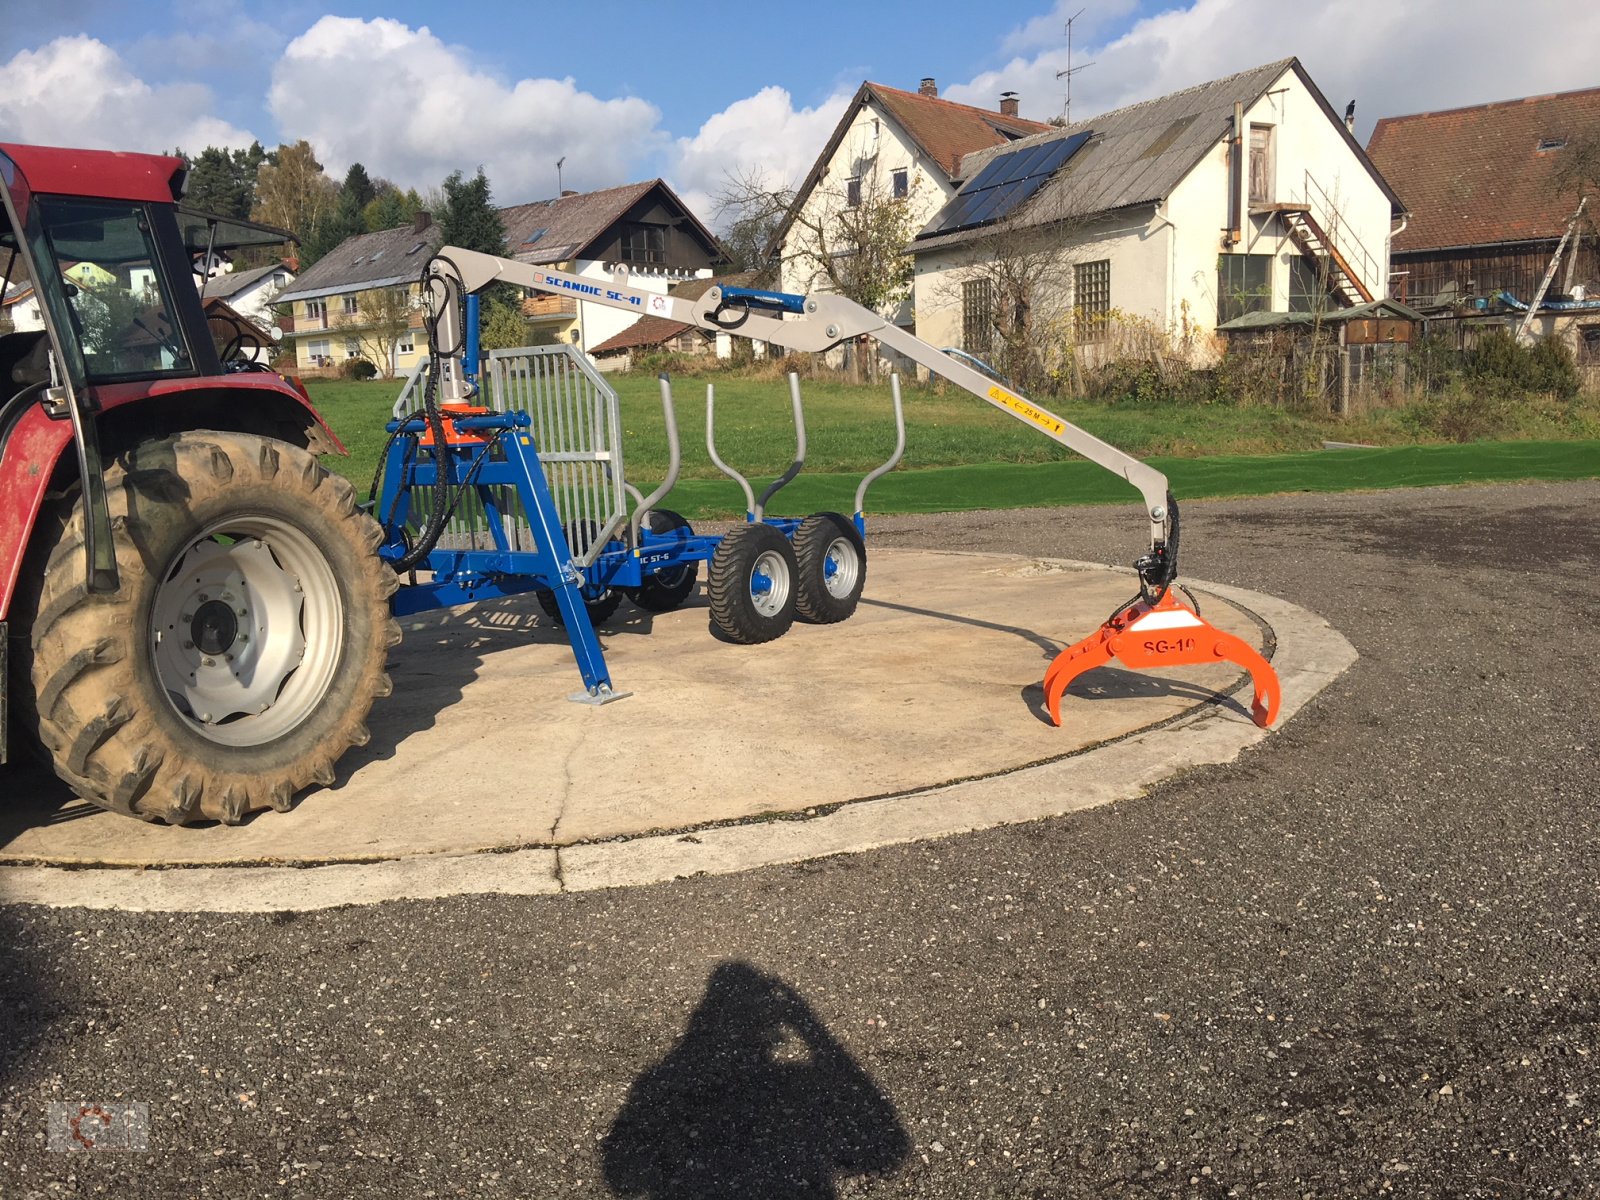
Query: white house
pixel 888 145
pixel 1167 217
pixel 249 292
pixel 20 309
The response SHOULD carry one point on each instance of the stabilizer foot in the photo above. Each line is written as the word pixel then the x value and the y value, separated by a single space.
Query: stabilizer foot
pixel 596 696
pixel 1165 634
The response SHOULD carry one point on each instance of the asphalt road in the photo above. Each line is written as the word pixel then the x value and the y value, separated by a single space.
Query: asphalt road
pixel 1362 959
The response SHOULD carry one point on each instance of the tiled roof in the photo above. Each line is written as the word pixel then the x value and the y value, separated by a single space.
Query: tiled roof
pixel 552 231
pixel 941 129
pixel 652 331
pixel 1476 176
pixel 368 260
pixel 564 226
pixel 945 130
pixel 646 331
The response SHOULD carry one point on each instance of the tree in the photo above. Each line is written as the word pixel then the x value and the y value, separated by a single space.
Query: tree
pixel 390 208
pixel 1578 176
pixel 293 192
pixel 223 181
pixel 852 241
pixel 382 318
pixel 752 211
pixel 468 219
pixel 349 215
pixel 1016 293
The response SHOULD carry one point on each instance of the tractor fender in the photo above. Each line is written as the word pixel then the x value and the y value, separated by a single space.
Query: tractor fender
pixel 36 452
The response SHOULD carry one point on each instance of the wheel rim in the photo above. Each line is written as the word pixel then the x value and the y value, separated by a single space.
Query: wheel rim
pixel 247 630
pixel 769 583
pixel 841 568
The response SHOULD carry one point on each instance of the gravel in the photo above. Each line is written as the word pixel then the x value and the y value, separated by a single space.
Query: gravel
pixel 1359 960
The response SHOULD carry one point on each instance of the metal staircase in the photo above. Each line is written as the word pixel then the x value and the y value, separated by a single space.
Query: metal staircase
pixel 1319 232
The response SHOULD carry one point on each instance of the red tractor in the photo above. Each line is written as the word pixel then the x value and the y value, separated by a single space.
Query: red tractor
pixel 195 619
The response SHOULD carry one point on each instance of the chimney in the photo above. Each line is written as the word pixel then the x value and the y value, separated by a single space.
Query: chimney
pixel 421 221
pixel 1350 116
pixel 928 87
pixel 568 192
pixel 1008 104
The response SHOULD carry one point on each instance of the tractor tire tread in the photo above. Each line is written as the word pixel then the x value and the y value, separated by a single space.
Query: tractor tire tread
pixel 88 691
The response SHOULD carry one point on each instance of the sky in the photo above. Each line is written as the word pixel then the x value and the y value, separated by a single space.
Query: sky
pixel 623 90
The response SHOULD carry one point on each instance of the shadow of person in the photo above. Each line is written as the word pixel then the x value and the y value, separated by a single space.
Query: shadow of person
pixel 756 1099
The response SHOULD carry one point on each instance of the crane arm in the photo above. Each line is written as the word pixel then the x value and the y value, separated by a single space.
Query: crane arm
pixel 805 323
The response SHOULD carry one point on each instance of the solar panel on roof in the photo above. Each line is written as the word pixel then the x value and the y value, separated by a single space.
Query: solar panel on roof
pixel 1004 183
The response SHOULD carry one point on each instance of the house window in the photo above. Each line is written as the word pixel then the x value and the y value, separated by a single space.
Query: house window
pixel 317 310
pixel 1091 299
pixel 1589 345
pixel 1261 164
pixel 352 305
pixel 977 316
pixel 407 343
pixel 852 191
pixel 352 348
pixel 902 184
pixel 1308 284
pixel 317 351
pixel 1244 284
pixel 644 244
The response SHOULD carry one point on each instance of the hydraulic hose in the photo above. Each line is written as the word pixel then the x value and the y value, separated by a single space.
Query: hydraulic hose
pixel 442 505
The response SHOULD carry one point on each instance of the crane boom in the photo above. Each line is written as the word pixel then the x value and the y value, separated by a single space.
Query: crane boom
pixel 806 323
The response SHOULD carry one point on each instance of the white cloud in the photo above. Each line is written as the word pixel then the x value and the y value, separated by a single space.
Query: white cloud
pixel 410 108
pixel 1391 56
pixel 762 135
pixel 77 91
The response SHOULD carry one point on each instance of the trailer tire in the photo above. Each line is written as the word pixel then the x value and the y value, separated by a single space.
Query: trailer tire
pixel 601 602
pixel 751 585
pixel 218 536
pixel 833 568
pixel 666 590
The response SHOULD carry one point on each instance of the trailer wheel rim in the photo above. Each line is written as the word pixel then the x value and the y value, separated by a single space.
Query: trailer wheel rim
pixel 769 583
pixel 841 568
pixel 247 630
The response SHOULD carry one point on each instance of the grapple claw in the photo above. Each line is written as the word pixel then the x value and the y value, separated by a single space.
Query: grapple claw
pixel 1165 634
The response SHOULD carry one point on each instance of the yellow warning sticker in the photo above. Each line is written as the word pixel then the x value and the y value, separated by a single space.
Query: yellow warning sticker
pixel 1027 411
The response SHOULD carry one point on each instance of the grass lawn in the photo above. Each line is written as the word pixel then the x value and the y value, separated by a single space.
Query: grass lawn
pixel 963 454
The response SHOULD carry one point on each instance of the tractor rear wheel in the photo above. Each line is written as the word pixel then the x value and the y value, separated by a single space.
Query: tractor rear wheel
pixel 243 649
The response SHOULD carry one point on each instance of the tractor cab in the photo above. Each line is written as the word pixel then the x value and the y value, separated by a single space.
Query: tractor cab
pixel 109 279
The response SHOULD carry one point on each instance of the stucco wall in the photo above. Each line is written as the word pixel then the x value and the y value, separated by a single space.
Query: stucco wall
pixel 1304 142
pixel 1137 244
pixel 874 148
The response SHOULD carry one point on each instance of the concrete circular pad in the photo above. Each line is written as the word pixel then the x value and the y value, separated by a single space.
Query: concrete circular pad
pixel 932 688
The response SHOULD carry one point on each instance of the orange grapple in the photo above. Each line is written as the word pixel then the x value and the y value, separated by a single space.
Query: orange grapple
pixel 1164 634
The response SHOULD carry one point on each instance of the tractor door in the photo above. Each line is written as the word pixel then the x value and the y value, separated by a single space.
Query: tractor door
pixel 56 378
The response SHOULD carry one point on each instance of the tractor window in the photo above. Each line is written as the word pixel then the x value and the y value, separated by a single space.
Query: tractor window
pixel 106 256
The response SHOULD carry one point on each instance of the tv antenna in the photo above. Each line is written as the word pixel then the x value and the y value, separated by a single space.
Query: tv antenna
pixel 1070 71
